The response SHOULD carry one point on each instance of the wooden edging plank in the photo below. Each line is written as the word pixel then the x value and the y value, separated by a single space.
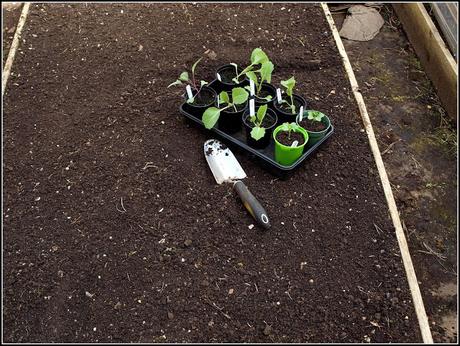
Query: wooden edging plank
pixel 405 254
pixel 432 51
pixel 14 46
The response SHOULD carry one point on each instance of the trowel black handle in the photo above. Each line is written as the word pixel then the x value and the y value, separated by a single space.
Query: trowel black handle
pixel 252 204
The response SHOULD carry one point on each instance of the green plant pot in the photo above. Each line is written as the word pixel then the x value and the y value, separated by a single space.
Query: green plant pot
pixel 285 155
pixel 315 136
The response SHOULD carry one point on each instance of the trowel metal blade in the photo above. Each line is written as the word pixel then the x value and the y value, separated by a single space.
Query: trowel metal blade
pixel 223 164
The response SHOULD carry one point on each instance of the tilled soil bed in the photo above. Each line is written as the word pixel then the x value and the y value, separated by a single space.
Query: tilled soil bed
pixel 99 246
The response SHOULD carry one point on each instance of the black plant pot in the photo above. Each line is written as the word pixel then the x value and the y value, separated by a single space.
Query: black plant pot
pixel 206 98
pixel 269 123
pixel 230 121
pixel 227 73
pixel 286 115
pixel 266 89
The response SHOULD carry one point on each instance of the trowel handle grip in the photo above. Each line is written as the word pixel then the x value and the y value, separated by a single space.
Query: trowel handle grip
pixel 252 204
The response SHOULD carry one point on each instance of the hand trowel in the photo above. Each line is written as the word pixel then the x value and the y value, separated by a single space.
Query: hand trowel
pixel 226 169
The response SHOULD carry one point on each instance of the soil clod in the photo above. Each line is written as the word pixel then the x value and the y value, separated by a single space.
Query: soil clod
pixel 267 330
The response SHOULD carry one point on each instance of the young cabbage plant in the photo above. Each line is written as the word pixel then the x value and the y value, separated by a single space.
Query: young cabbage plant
pixel 289 85
pixel 185 78
pixel 289 127
pixel 264 74
pixel 258 57
pixel 258 131
pixel 212 114
pixel 315 115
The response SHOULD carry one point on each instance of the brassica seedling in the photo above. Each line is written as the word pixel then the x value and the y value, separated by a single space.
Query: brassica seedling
pixel 185 78
pixel 315 115
pixel 289 85
pixel 265 75
pixel 212 114
pixel 258 131
pixel 289 127
pixel 258 56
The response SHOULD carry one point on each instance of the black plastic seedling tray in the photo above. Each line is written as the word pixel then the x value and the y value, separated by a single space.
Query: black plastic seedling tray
pixel 266 156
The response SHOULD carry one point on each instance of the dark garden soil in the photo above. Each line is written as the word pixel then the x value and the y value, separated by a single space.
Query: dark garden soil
pixel 312 125
pixel 10 17
pixel 114 227
pixel 264 93
pixel 284 138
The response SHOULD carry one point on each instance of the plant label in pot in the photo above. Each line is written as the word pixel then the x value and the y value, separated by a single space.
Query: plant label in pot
pixel 188 89
pixel 278 95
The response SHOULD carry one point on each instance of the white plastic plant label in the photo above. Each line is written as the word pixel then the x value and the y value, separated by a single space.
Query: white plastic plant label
pixel 218 77
pixel 251 83
pixel 252 108
pixel 278 95
pixel 189 92
pixel 294 144
pixel 301 114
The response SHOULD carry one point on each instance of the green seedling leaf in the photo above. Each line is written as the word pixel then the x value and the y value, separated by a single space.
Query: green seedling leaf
pixel 177 82
pixel 210 117
pixel 196 63
pixel 266 71
pixel 184 76
pixel 252 76
pixel 239 96
pixel 257 132
pixel 315 115
pixel 224 98
pixel 285 127
pixel 293 126
pixel 289 85
pixel 261 113
pixel 203 82
pixel 258 56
